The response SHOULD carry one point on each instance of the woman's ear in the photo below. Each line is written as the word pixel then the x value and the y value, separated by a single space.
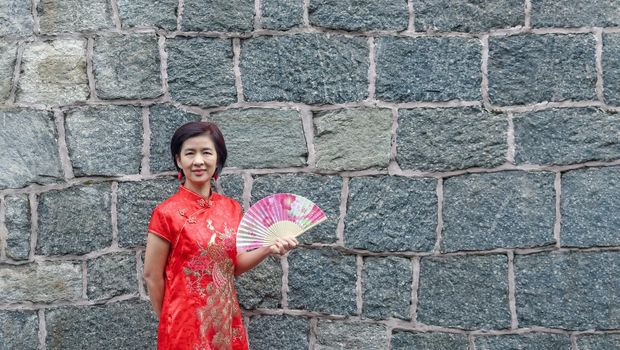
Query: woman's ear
pixel 178 161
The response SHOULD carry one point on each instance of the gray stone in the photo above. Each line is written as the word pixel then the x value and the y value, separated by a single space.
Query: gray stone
pixel 278 332
pixel 537 68
pixel 262 138
pixel 19 330
pixel 466 15
pixel 386 284
pixel 468 292
pixel 444 139
pixel 530 341
pixel 8 56
pixel 391 214
pixel 575 13
pixel 19 166
pixel 43 282
pixel 566 136
pixel 403 340
pixel 16 18
pixel 17 223
pixel 127 67
pixel 104 140
pixel 261 287
pixel 281 14
pixel 136 201
pixel 232 186
pixel 590 197
pixel 200 71
pixel 307 68
pixel 322 190
pixel 62 16
pixel 112 275
pixel 359 15
pixel 148 13
pixel 322 280
pixel 353 139
pixel 598 341
pixel 611 68
pixel 53 72
pixel 428 69
pixel 120 325
pixel 334 335
pixel 508 209
pixel 76 220
pixel 574 290
pixel 218 15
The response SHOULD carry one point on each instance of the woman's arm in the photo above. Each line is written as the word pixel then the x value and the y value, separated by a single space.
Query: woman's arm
pixel 248 260
pixel 157 250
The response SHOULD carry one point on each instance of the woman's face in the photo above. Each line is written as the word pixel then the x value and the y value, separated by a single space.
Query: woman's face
pixel 198 160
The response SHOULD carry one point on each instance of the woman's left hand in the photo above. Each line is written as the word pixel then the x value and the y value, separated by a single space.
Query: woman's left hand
pixel 283 245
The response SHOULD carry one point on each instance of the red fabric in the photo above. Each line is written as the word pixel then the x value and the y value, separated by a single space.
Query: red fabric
pixel 200 308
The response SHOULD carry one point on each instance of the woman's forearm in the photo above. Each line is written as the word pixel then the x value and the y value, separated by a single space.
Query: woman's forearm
pixel 155 287
pixel 248 260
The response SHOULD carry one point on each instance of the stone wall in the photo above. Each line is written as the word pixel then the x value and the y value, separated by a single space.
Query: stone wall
pixel 467 155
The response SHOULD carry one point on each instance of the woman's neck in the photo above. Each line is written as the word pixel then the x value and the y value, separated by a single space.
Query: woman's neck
pixel 203 189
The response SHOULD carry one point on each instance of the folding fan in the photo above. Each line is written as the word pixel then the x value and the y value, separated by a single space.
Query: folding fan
pixel 276 216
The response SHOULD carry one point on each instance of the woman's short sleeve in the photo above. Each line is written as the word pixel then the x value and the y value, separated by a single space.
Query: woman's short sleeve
pixel 160 225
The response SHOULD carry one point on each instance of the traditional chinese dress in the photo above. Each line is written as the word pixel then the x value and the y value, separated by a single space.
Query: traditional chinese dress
pixel 200 309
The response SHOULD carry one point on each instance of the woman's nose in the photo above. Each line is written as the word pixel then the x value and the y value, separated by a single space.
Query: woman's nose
pixel 198 159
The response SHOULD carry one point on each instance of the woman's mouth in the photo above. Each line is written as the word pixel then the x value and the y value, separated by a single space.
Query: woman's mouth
pixel 198 172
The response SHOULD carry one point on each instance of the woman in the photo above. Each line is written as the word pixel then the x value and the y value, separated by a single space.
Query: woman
pixel 191 258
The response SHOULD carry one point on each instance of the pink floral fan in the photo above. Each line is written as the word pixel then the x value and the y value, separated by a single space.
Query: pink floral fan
pixel 276 216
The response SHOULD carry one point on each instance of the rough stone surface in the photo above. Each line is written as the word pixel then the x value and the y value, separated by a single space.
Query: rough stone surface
pixel 359 15
pixel 136 201
pixel 16 18
pixel 148 13
pixel 568 290
pixel 19 166
pixel 261 287
pixel 17 221
pixel 322 280
pixel 575 13
pixel 468 292
pixel 391 214
pixel 112 275
pixel 61 16
pixel 598 342
pixel 467 16
pixel 536 68
pixel 132 324
pixel 611 68
pixel 262 138
pixel 498 210
pixel 322 190
pixel 308 68
pixel 200 71
pixel 76 220
pixel 386 286
pixel 8 56
pixel 353 139
pixel 281 14
pixel 232 186
pixel 127 67
pixel 104 140
pixel 531 341
pixel 428 69
pixel 218 15
pixel 53 72
pixel 403 340
pixel 333 335
pixel 278 332
pixel 40 282
pixel 19 330
pixel 450 138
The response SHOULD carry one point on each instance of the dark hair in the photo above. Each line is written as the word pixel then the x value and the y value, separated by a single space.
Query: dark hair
pixel 193 129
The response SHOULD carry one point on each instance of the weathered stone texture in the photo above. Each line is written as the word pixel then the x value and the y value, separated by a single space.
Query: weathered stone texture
pixel 352 139
pixel 536 68
pixel 531 341
pixel 62 16
pixel 232 186
pixel 53 72
pixel 428 69
pixel 359 15
pixel 127 67
pixel 104 140
pixel 611 67
pixel 278 332
pixel 322 280
pixel 218 15
pixel 598 341
pixel 200 71
pixel 468 292
pixel 388 213
pixel 466 15
pixel 403 340
pixel 19 165
pixel 450 139
pixel 76 220
pixel 19 330
pixel 112 275
pixel 262 138
pixel 574 290
pixel 498 210
pixel 8 57
pixel 16 18
pixel 17 222
pixel 308 68
pixel 148 13
pixel 332 335
pixel 575 13
pixel 281 14
pixel 40 282
pixel 386 287
pixel 261 287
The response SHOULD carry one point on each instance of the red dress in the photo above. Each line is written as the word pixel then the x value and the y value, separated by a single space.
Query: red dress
pixel 200 310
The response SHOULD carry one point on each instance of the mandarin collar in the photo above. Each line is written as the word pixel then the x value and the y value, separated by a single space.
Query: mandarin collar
pixel 196 198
